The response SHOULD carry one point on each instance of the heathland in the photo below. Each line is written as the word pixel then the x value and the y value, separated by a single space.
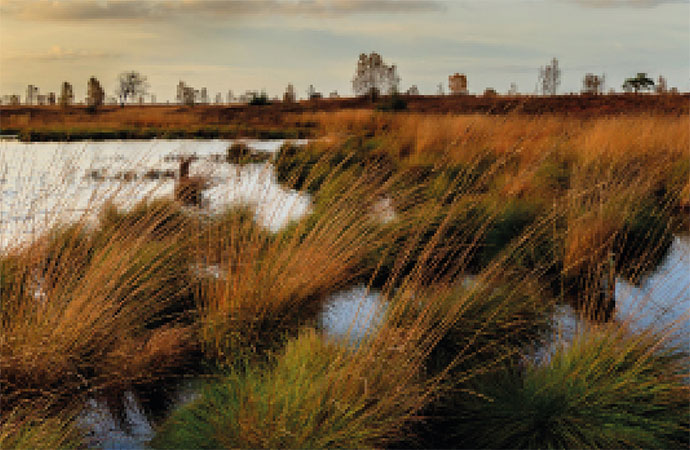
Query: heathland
pixel 473 227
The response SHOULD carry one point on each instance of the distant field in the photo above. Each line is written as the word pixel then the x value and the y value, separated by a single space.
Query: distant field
pixel 280 120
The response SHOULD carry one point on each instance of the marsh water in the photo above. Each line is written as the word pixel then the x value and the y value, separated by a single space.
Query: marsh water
pixel 44 183
pixel 660 301
pixel 48 182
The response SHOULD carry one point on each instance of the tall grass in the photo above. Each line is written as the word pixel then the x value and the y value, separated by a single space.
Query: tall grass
pixel 606 389
pixel 315 395
pixel 85 312
pixel 29 427
pixel 271 284
pixel 496 219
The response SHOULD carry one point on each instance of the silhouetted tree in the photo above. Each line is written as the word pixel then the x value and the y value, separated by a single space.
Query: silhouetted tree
pixel 66 94
pixel 312 93
pixel 94 93
pixel 593 84
pixel 186 95
pixel 661 86
pixel 259 99
pixel 289 96
pixel 641 81
pixel 457 84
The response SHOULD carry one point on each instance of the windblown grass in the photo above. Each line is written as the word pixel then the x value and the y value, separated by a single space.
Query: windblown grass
pixel 315 395
pixel 495 219
pixel 26 427
pixel 606 389
pixel 85 312
pixel 272 284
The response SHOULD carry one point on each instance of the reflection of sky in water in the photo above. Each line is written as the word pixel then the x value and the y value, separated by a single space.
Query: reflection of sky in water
pixel 661 298
pixel 102 430
pixel 105 432
pixel 352 313
pixel 42 183
pixel 661 301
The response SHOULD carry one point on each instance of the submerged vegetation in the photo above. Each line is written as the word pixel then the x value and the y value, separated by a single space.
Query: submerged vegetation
pixel 473 228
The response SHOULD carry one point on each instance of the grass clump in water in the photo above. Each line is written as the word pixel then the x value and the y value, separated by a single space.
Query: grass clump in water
pixel 606 389
pixel 313 394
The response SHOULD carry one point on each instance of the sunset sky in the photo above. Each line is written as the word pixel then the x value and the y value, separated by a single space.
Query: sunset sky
pixel 265 44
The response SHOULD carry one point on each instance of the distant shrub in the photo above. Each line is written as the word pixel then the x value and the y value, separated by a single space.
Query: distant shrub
pixel 394 102
pixel 259 99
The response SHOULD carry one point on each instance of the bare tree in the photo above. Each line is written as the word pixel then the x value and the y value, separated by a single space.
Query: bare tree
pixel 94 93
pixel 661 85
pixel 550 78
pixel 312 93
pixel 373 77
pixel 31 94
pixel 131 85
pixel 66 94
pixel 457 84
pixel 593 84
pixel 289 96
pixel 186 94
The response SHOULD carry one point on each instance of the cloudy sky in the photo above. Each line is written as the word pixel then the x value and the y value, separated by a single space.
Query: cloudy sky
pixel 264 44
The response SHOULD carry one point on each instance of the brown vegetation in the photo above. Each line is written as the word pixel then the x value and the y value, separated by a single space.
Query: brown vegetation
pixel 247 119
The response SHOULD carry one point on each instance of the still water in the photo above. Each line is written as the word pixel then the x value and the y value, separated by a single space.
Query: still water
pixel 660 302
pixel 48 182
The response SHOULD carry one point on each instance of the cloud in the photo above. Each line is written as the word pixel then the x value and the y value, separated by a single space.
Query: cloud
pixel 57 53
pixel 627 3
pixel 78 10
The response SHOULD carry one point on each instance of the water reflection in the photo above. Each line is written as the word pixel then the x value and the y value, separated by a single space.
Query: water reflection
pixel 663 297
pixel 660 302
pixel 103 430
pixel 47 182
pixel 353 313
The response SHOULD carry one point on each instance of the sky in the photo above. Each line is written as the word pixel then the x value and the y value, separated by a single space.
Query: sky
pixel 265 44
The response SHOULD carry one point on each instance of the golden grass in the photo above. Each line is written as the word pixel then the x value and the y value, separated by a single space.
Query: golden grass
pixel 610 161
pixel 79 314
pixel 100 318
pixel 269 284
pixel 30 427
